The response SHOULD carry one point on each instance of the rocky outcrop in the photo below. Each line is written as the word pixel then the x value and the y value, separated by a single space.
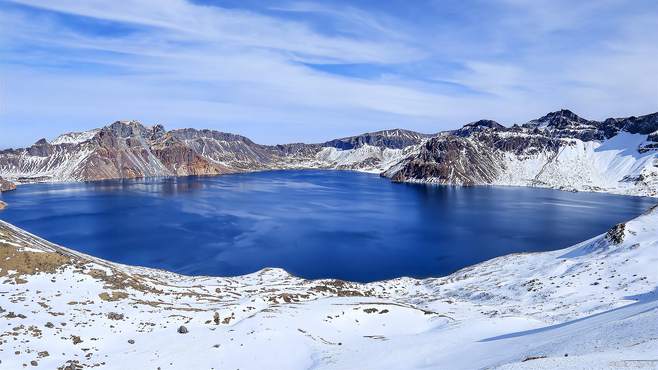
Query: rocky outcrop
pixel 616 234
pixel 6 185
pixel 559 150
pixel 391 139
pixel 451 160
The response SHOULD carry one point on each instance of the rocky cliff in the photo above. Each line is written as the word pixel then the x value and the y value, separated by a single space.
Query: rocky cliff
pixel 6 185
pixel 128 149
pixel 558 150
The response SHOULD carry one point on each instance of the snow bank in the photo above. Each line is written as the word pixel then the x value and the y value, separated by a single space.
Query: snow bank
pixel 594 302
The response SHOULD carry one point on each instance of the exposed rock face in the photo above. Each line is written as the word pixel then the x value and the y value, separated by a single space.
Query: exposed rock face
pixel 127 149
pixel 391 139
pixel 451 160
pixel 6 185
pixel 479 126
pixel 616 234
pixel 560 150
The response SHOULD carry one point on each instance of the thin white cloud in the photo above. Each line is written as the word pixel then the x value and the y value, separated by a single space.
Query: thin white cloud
pixel 238 70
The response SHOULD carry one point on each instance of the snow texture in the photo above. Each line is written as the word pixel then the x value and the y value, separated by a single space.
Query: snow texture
pixel 591 306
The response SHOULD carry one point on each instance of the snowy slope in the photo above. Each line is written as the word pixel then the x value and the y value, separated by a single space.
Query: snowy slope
pixel 595 302
pixel 559 150
pixel 620 164
pixel 75 137
pixel 612 166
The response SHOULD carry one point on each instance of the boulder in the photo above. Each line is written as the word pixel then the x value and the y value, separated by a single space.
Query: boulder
pixel 6 185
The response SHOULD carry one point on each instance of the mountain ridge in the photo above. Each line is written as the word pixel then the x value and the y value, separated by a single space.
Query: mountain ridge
pixel 483 152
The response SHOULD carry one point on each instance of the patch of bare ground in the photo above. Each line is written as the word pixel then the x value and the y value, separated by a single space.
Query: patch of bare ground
pixel 113 296
pixel 28 263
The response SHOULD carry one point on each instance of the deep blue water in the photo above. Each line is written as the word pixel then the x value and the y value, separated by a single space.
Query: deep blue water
pixel 314 224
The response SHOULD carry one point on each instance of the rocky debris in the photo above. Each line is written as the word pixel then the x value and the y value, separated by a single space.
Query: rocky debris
pixel 616 234
pixel 182 330
pixel 71 365
pixel 115 316
pixel 6 185
pixel 12 315
pixel 76 339
pixel 49 325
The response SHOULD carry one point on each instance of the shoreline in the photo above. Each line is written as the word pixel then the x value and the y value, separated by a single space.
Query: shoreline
pixel 65 307
pixel 427 182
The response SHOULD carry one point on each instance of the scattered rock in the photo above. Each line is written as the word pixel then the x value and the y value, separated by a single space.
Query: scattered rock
pixel 131 341
pixel 49 325
pixel 115 316
pixel 76 339
pixel 70 365
pixel 12 315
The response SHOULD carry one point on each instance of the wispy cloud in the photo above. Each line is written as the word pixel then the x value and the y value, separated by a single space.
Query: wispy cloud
pixel 267 72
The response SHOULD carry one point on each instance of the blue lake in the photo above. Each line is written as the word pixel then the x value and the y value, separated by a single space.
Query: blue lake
pixel 314 224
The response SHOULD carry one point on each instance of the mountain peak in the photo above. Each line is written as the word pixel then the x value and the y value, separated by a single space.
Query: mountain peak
pixel 477 126
pixel 560 119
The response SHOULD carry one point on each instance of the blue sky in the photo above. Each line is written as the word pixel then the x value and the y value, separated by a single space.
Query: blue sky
pixel 289 71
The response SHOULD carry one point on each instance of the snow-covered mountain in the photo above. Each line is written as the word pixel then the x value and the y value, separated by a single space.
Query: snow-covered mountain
pixel 591 306
pixel 128 149
pixel 559 150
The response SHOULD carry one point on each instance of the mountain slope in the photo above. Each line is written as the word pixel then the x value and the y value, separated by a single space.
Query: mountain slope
pixel 594 303
pixel 127 149
pixel 559 150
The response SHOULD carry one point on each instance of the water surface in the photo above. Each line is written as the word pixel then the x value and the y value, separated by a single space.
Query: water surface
pixel 315 224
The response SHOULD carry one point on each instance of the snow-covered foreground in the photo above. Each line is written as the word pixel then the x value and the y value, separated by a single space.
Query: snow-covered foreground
pixel 593 305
